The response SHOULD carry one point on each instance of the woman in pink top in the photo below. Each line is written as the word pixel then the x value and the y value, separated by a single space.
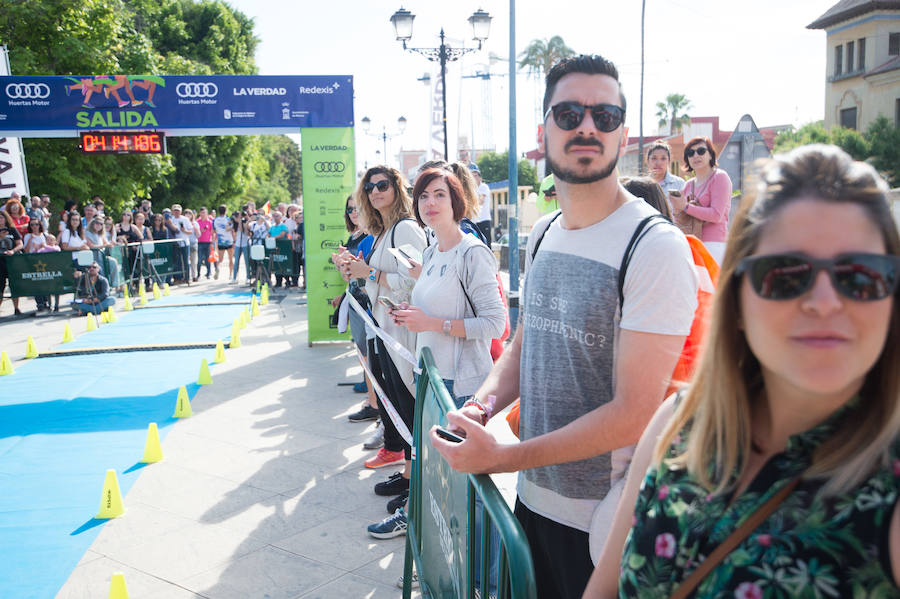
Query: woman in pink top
pixel 204 240
pixel 706 197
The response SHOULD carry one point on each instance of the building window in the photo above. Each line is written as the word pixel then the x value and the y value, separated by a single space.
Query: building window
pixel 861 54
pixel 851 46
pixel 848 118
pixel 838 60
pixel 894 44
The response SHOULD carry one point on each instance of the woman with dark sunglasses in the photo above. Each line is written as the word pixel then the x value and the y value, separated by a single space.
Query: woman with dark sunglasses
pixel 386 208
pixel 706 197
pixel 792 422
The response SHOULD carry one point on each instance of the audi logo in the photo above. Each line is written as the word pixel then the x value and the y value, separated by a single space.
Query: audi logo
pixel 196 90
pixel 27 91
pixel 329 167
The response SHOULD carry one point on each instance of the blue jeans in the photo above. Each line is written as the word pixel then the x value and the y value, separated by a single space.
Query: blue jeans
pixel 83 308
pixel 241 250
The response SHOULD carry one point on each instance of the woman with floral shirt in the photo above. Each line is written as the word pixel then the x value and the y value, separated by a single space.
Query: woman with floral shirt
pixel 799 385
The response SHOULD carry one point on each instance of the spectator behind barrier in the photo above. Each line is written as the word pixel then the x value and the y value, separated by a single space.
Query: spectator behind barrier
pixel 10 243
pixel 72 237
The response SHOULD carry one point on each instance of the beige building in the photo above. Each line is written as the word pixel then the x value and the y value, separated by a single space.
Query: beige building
pixel 862 79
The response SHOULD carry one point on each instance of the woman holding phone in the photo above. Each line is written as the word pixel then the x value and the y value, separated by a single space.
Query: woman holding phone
pixel 777 473
pixel 706 197
pixel 385 207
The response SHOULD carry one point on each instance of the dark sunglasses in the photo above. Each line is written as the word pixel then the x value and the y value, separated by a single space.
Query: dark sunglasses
pixel 381 186
pixel 352 209
pixel 568 115
pixel 699 152
pixel 859 277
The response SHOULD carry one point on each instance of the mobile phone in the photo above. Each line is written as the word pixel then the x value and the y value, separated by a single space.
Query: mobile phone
pixel 388 302
pixel 445 434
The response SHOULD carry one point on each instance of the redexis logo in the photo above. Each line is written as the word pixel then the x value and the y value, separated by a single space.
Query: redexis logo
pixel 27 91
pixel 196 90
pixel 330 244
pixel 334 166
pixel 329 89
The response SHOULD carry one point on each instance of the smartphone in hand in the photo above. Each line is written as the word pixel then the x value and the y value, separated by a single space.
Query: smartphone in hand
pixel 447 435
pixel 388 302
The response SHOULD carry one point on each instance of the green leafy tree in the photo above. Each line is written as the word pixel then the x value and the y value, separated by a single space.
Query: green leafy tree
pixel 884 146
pixel 495 167
pixel 673 112
pixel 540 55
pixel 849 140
pixel 88 37
pixel 276 166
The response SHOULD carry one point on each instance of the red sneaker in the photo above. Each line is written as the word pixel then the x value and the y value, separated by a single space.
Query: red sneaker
pixel 385 458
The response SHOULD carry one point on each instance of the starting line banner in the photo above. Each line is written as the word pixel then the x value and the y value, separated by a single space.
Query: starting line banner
pixel 63 106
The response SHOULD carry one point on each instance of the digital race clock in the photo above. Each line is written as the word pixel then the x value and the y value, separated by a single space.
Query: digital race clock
pixel 147 142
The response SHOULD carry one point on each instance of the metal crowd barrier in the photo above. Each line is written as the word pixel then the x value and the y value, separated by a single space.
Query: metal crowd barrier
pixel 441 534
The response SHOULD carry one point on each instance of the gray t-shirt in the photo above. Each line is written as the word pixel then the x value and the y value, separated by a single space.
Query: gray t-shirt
pixel 571 320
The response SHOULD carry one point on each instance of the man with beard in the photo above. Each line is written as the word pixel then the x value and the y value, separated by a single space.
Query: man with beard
pixel 590 373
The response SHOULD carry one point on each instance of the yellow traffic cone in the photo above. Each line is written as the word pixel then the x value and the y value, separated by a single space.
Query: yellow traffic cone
pixel 125 291
pixel 183 404
pixel 152 448
pixel 127 307
pixel 235 334
pixel 220 352
pixel 245 318
pixel 257 285
pixel 5 364
pixel 143 297
pixel 67 334
pixel 30 348
pixel 204 378
pixel 156 293
pixel 254 307
pixel 165 289
pixel 111 505
pixel 111 315
pixel 264 296
pixel 117 588
pixel 91 322
pixel 104 317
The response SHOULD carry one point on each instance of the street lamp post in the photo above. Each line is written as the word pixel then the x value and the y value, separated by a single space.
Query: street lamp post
pixel 384 135
pixel 481 27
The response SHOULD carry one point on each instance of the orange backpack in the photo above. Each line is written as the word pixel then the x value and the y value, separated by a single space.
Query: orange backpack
pixel 708 274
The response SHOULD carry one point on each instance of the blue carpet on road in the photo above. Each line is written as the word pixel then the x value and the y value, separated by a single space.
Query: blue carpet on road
pixel 65 420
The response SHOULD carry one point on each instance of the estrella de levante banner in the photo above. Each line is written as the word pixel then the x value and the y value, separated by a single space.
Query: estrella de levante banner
pixel 63 106
pixel 329 176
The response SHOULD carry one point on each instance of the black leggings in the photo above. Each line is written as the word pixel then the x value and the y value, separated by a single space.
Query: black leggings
pixel 392 384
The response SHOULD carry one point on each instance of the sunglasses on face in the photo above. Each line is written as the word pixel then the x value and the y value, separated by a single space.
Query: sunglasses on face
pixel 352 209
pixel 699 152
pixel 859 277
pixel 380 186
pixel 568 115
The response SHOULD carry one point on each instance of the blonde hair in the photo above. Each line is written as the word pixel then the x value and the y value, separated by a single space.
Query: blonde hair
pixel 372 220
pixel 717 406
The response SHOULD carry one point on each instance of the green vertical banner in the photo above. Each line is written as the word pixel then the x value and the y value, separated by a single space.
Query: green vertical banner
pixel 329 176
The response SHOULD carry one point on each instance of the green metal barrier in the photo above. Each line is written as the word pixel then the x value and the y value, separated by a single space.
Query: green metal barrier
pixel 282 258
pixel 441 521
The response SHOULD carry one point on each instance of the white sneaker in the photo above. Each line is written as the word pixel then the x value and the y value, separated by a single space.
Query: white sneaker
pixel 376 441
pixel 414 584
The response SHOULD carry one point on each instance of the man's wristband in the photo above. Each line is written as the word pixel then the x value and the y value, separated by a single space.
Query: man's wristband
pixel 372 274
pixel 485 410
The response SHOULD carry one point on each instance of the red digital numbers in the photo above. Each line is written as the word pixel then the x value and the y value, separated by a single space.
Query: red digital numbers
pixel 123 143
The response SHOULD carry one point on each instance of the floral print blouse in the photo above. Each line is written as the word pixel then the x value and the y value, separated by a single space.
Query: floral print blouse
pixel 809 547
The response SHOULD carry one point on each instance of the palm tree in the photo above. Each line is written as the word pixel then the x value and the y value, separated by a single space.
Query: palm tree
pixel 673 112
pixel 539 56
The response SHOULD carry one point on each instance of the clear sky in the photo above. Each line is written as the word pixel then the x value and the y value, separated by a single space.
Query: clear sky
pixel 728 57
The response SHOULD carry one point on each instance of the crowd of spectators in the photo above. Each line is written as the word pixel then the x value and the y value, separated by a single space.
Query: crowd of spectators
pixel 201 241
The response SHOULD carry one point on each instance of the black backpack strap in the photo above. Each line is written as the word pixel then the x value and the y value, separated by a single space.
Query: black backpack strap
pixel 394 230
pixel 537 243
pixel 640 231
pixel 462 284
